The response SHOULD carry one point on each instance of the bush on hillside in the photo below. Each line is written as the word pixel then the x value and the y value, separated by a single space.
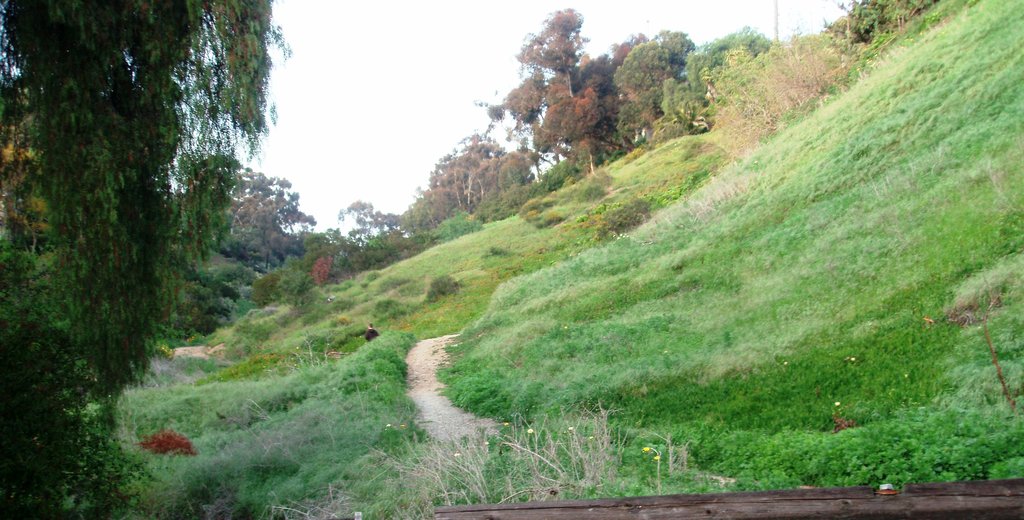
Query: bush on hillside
pixel 867 20
pixel 559 175
pixel 594 187
pixel 754 94
pixel 265 289
pixel 168 442
pixel 457 225
pixel 496 251
pixel 442 286
pixel 321 270
pixel 620 217
pixel 504 204
pixel 251 331
pixel 251 368
pixel 534 208
pixel 541 213
pixel 297 288
pixel 389 308
pixel 394 282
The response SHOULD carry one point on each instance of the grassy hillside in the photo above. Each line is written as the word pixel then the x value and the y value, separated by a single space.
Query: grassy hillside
pixel 264 448
pixel 563 224
pixel 831 276
pixel 844 275
pixel 286 431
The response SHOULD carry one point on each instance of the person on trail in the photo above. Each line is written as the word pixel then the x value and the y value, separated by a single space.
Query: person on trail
pixel 370 332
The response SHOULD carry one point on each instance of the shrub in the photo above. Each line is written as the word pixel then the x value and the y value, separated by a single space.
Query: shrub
pixel 315 313
pixel 457 225
pixel 388 308
pixel 559 175
pixel 534 207
pixel 496 251
pixel 538 212
pixel 867 20
pixel 168 442
pixel 348 339
pixel 504 204
pixel 442 286
pixel 181 371
pixel 754 94
pixel 265 289
pixel 621 217
pixel 388 284
pixel 255 331
pixel 297 288
pixel 594 188
pixel 551 218
pixel 321 270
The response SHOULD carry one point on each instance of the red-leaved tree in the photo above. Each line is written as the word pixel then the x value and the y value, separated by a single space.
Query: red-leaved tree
pixel 322 269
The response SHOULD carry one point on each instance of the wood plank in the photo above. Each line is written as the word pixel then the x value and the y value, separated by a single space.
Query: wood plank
pixel 957 500
pixel 653 501
pixel 1009 487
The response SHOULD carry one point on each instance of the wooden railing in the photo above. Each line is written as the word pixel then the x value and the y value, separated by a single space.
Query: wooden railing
pixel 950 500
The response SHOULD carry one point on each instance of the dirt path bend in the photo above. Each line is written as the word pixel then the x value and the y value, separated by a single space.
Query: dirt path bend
pixel 436 413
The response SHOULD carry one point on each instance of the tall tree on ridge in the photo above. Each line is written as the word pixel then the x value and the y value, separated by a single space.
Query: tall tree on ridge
pixel 642 75
pixel 266 222
pixel 556 51
pixel 567 104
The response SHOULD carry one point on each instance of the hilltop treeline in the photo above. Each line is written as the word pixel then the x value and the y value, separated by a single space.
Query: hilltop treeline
pixel 570 114
pixel 580 111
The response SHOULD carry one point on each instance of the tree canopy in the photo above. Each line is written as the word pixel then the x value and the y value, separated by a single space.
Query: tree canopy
pixel 266 222
pixel 478 169
pixel 642 75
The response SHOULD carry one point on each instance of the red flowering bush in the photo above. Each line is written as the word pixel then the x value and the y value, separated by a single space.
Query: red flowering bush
pixel 322 269
pixel 168 441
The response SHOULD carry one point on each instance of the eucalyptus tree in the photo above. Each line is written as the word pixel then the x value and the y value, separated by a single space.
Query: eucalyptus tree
pixel 642 75
pixel 267 225
pixel 567 103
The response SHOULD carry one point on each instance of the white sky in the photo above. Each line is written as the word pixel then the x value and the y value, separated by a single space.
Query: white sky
pixel 375 93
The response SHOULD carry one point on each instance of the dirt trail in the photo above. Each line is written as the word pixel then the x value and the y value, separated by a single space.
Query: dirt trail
pixel 436 413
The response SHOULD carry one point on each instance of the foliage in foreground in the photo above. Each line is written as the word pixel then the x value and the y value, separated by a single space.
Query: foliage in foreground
pixel 47 421
pixel 307 432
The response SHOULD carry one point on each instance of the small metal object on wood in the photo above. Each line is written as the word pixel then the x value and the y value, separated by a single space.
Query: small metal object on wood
pixel 989 499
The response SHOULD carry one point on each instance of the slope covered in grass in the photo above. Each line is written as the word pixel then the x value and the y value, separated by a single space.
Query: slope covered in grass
pixel 838 273
pixel 286 431
pixel 569 221
pixel 299 443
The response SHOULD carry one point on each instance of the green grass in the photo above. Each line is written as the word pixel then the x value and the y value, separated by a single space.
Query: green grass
pixel 279 442
pixel 397 297
pixel 741 308
pixel 851 259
